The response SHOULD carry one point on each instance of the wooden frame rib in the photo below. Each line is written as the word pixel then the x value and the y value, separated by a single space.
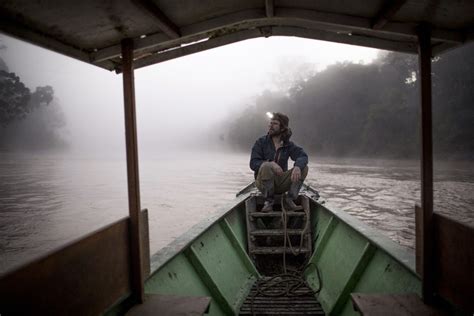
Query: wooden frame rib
pixel 387 13
pixel 164 23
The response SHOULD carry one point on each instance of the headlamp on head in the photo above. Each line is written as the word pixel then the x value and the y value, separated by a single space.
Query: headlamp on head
pixel 270 115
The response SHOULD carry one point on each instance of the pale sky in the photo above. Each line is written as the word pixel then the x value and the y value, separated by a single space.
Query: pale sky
pixel 175 99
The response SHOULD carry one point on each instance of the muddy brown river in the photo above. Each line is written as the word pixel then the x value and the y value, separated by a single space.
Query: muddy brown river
pixel 47 200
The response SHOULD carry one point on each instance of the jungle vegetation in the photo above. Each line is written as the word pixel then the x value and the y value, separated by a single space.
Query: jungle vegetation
pixel 29 120
pixel 370 110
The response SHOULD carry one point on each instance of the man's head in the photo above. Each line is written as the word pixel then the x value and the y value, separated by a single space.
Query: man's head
pixel 278 124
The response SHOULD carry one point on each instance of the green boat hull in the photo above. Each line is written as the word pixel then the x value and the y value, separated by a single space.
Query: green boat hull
pixel 211 260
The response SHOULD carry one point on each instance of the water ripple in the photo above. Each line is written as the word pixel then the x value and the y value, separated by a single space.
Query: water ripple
pixel 46 201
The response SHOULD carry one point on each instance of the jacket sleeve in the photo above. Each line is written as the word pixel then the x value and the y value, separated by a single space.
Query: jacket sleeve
pixel 299 156
pixel 257 157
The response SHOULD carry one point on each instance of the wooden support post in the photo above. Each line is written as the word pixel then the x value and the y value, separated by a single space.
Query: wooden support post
pixel 132 170
pixel 424 53
pixel 269 8
pixel 419 239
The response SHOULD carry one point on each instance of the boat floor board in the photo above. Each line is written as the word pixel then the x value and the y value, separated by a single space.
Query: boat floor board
pixel 283 232
pixel 277 250
pixel 276 214
pixel 276 232
pixel 167 305
pixel 276 300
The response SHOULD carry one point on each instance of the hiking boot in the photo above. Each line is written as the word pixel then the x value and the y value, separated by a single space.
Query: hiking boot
pixel 291 205
pixel 268 193
pixel 267 207
pixel 295 189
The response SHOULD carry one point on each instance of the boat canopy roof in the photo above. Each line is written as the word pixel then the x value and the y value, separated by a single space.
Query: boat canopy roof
pixel 92 31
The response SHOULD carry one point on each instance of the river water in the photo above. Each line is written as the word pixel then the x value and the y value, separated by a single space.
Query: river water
pixel 47 200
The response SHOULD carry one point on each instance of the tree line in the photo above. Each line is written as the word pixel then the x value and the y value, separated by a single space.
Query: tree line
pixel 28 119
pixel 371 110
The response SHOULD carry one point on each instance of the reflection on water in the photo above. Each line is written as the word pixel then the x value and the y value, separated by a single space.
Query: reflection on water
pixel 46 201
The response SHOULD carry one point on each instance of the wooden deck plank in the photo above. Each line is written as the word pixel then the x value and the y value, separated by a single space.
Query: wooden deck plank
pixel 170 305
pixel 276 214
pixel 274 298
pixel 392 305
pixel 278 250
pixel 275 232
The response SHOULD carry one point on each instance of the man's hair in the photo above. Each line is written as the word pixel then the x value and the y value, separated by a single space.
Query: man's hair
pixel 282 118
pixel 284 121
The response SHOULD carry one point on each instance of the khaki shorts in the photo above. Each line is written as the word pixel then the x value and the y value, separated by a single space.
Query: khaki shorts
pixel 282 183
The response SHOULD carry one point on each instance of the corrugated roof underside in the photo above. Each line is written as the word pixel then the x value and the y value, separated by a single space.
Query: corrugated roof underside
pixel 81 28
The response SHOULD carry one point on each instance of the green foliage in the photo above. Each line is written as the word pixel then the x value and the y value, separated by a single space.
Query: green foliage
pixel 372 110
pixel 16 100
pixel 28 120
pixel 453 102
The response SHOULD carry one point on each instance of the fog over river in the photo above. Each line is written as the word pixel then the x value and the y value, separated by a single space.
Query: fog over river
pixel 47 200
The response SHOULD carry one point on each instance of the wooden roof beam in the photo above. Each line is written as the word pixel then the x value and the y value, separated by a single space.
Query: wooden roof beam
pixel 164 23
pixel 313 20
pixel 10 26
pixel 441 47
pixel 195 48
pixel 325 19
pixel 269 8
pixel 238 36
pixel 387 12
pixel 356 39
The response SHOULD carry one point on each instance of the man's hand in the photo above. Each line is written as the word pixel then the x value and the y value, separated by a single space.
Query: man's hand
pixel 277 169
pixel 296 174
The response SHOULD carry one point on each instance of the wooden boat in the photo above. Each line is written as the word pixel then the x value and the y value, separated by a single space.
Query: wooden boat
pixel 212 260
pixel 110 270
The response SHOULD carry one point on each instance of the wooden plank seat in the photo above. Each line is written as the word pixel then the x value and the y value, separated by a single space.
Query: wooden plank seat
pixel 171 305
pixel 276 214
pixel 392 305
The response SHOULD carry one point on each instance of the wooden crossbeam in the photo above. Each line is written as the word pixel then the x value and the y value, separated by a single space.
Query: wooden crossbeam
pixel 387 12
pixel 164 23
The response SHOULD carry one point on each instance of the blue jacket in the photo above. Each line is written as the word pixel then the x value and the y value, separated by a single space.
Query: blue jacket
pixel 264 150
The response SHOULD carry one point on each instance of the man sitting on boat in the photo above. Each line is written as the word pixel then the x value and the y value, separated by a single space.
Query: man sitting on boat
pixel 269 161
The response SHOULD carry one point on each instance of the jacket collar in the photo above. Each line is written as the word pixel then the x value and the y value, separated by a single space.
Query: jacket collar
pixel 284 144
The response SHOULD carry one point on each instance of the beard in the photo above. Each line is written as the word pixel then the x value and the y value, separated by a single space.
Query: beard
pixel 274 133
pixel 285 134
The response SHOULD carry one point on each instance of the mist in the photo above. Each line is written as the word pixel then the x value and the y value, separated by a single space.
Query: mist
pixel 180 103
pixel 371 110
